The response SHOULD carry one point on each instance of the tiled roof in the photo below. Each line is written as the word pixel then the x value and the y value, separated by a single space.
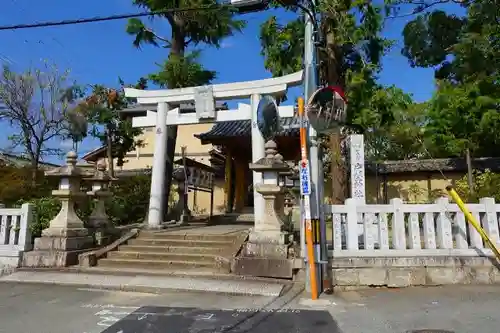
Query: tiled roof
pixel 244 128
pixel 434 165
pixel 20 161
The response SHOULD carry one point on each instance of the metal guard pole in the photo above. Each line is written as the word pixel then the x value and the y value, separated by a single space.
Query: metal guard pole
pixel 472 220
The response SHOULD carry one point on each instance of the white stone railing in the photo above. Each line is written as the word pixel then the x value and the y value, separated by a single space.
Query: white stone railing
pixel 15 236
pixel 407 230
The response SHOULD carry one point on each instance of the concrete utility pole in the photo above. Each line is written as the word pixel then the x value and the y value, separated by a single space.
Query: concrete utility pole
pixel 310 86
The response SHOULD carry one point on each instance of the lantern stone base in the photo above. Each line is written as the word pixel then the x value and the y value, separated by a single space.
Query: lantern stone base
pixel 271 236
pixel 263 267
pixel 57 251
pixel 265 255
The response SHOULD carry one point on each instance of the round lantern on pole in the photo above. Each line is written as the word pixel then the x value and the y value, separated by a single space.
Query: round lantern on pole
pixel 326 108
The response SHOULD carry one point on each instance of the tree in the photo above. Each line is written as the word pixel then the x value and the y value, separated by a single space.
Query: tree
pixel 35 104
pixel 463 117
pixel 465 52
pixel 188 28
pixel 350 57
pixel 101 109
pixel 76 127
pixel 402 138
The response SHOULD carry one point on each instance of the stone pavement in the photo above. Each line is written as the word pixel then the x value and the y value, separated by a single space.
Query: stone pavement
pixel 56 309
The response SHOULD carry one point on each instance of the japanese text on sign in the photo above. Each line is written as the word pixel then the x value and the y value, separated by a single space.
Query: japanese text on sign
pixel 305 182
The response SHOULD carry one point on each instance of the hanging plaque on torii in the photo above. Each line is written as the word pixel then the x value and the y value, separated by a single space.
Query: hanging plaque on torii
pixel 204 102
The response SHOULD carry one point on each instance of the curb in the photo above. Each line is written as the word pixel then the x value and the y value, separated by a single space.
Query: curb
pixel 7 270
pixel 212 276
pixel 139 289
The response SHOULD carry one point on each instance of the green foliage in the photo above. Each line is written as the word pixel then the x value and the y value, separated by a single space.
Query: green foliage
pixel 429 37
pixel 463 116
pixel 464 49
pixel 351 57
pixel 463 113
pixel 17 184
pixel 178 72
pixel 486 184
pixel 101 109
pixel 188 28
pixel 46 208
pixel 402 139
pixel 129 200
pixel 128 203
pixel 282 45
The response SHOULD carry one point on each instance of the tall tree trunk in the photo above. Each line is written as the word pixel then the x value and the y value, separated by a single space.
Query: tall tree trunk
pixel 334 77
pixel 337 169
pixel 177 49
pixel 35 158
pixel 34 173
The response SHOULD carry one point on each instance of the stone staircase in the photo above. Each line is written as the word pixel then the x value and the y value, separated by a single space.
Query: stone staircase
pixel 176 251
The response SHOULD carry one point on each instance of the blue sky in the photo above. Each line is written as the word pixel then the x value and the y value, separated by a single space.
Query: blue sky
pixel 101 52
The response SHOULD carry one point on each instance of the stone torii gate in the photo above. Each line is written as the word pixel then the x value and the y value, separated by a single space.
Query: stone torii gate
pixel 168 113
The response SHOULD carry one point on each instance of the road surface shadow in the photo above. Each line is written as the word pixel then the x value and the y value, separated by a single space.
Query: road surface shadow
pixel 154 319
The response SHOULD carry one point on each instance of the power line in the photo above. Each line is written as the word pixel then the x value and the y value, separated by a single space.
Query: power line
pixel 107 18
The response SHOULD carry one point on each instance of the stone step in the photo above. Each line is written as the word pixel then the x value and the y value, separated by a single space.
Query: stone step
pixel 171 249
pixel 179 242
pixel 161 264
pixel 186 236
pixel 188 257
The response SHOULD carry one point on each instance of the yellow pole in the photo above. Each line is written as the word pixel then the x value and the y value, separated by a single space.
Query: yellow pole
pixel 472 220
pixel 307 208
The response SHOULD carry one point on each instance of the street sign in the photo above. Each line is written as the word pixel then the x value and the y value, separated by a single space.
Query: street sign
pixel 305 179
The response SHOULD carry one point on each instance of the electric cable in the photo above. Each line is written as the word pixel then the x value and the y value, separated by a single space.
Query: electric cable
pixel 111 17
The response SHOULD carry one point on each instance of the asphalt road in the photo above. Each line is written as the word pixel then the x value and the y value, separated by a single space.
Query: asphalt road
pixel 52 309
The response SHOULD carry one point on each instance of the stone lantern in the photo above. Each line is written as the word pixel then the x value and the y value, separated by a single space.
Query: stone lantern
pixel 66 235
pixel 271 228
pixel 266 252
pixel 180 176
pixel 99 222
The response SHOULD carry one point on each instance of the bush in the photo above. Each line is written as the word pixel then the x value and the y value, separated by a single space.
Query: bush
pixel 127 204
pixel 486 184
pixel 45 210
pixel 129 200
pixel 17 185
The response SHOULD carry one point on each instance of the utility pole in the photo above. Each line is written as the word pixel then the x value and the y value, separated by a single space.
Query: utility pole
pixel 315 160
pixel 310 86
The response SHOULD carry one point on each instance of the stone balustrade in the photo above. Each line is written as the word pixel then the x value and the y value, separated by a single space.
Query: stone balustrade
pixel 400 244
pixel 15 236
